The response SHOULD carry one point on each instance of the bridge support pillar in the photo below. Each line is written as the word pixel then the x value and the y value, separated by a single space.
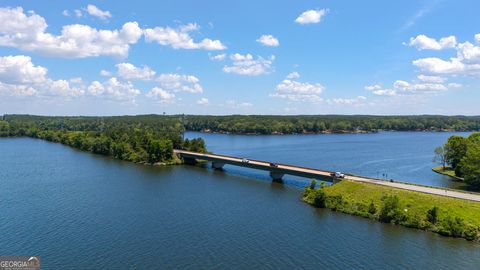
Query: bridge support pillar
pixel 217 165
pixel 336 180
pixel 276 176
pixel 189 161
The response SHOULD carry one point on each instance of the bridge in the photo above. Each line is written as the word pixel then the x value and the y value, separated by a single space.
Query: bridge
pixel 277 171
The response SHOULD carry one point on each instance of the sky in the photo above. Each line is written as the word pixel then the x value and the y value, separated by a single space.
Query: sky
pixel 240 57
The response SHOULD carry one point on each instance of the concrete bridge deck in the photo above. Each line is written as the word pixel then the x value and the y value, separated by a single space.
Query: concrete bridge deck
pixel 218 161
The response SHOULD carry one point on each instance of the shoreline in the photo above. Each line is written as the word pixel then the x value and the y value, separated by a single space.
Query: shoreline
pixel 447 172
pixel 456 217
pixel 206 131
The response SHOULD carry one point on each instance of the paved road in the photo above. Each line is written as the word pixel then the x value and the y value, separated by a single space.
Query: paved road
pixel 265 165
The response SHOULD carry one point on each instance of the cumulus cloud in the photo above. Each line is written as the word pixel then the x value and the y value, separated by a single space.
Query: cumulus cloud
pixel 245 64
pixel 105 73
pixel 429 85
pixel 466 62
pixel 218 57
pixel 180 83
pixel 161 95
pixel 433 79
pixel 293 75
pixel 96 12
pixel 20 77
pixel 203 101
pixel 113 88
pixel 179 38
pixel 268 40
pixel 311 16
pixel 128 71
pixel 373 87
pixel 298 91
pixel 346 101
pixel 422 42
pixel 28 33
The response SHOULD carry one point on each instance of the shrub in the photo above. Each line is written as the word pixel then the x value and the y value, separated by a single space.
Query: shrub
pixel 391 210
pixel 372 209
pixel 432 215
pixel 452 227
pixel 319 198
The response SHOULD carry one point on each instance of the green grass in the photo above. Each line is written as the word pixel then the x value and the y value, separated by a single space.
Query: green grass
pixel 355 198
pixel 447 171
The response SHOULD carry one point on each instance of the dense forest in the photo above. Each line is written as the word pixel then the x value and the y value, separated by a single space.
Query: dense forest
pixel 265 124
pixel 152 138
pixel 141 139
pixel 462 155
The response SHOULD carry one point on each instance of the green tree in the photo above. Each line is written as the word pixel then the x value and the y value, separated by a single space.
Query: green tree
pixel 456 148
pixel 313 184
pixel 470 165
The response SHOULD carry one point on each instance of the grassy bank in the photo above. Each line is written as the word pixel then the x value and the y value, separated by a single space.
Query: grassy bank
pixel 448 171
pixel 443 215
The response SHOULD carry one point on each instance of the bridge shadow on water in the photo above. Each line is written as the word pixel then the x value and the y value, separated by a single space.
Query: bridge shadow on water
pixel 287 181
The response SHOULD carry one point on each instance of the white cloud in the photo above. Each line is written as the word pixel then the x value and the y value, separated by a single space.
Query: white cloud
pixel 245 64
pixel 432 79
pixel 20 77
pixel 477 38
pixel 298 91
pixel 66 13
pixel 180 38
pixel 180 83
pixel 293 75
pixel 96 12
pixel 27 32
pixel 105 73
pixel 203 101
pixel 373 87
pixel 113 88
pixel 161 95
pixel 311 16
pixel 422 42
pixel 466 62
pixel 128 71
pixel 435 65
pixel 346 101
pixel 402 88
pixel 218 57
pixel 78 13
pixel 268 40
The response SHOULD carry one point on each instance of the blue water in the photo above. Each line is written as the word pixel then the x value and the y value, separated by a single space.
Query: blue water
pixel 403 156
pixel 82 211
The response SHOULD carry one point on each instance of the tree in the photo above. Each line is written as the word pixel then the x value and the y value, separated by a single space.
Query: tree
pixel 313 184
pixel 440 156
pixel 455 150
pixel 391 210
pixel 432 215
pixel 470 165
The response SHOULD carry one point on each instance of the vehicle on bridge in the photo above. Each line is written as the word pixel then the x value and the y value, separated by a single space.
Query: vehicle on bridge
pixel 337 175
pixel 273 164
pixel 244 160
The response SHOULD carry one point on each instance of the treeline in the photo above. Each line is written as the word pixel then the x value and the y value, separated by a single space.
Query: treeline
pixel 300 124
pixel 462 155
pixel 142 139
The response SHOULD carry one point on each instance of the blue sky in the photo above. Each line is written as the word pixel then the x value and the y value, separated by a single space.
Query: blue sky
pixel 240 57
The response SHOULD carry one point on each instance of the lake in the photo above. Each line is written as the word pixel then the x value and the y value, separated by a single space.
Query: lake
pixel 82 211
